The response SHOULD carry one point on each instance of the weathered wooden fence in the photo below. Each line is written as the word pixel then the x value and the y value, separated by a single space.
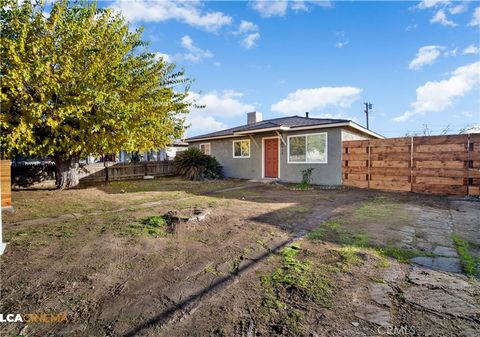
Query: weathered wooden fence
pixel 5 182
pixel 429 164
pixel 128 171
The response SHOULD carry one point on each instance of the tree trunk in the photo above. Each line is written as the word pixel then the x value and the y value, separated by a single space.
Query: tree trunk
pixel 66 174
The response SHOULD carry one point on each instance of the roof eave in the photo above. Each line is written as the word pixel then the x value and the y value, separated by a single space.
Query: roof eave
pixel 276 128
pixel 286 128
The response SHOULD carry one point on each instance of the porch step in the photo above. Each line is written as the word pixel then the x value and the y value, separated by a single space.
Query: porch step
pixel 264 180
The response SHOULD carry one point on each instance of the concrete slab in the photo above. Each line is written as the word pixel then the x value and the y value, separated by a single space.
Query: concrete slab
pixel 432 278
pixel 449 264
pixel 380 293
pixel 445 251
pixel 441 301
pixel 374 314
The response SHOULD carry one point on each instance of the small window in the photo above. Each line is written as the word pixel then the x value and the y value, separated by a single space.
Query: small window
pixel 241 148
pixel 307 149
pixel 205 148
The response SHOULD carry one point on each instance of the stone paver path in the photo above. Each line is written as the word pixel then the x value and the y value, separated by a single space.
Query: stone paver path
pixel 432 232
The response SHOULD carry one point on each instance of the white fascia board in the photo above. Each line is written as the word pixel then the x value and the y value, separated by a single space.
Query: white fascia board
pixel 336 125
pixel 276 128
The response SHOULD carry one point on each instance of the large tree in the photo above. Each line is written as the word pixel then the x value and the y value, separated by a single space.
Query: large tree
pixel 78 81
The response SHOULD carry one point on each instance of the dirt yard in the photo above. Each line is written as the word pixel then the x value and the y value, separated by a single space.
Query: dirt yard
pixel 235 258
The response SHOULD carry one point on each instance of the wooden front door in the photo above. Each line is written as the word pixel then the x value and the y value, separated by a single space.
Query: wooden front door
pixel 271 158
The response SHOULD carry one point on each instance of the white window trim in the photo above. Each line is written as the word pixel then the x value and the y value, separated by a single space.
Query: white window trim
pixel 305 135
pixel 209 148
pixel 279 155
pixel 239 141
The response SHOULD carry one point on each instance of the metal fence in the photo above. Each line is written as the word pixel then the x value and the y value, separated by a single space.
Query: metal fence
pixel 127 171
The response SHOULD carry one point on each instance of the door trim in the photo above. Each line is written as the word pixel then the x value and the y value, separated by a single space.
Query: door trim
pixel 263 155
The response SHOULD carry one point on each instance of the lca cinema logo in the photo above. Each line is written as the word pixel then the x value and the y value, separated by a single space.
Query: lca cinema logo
pixel 34 318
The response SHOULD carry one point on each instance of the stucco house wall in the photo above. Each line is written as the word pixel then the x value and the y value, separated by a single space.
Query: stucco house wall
pixel 329 173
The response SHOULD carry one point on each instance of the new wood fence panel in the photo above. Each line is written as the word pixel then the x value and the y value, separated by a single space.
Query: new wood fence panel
pixel 5 176
pixel 430 164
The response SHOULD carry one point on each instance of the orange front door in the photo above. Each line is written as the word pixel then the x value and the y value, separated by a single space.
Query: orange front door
pixel 271 158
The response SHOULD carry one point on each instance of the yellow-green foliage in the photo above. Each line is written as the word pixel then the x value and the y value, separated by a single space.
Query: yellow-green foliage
pixel 81 82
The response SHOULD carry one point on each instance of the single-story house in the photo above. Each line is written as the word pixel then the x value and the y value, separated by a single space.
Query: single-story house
pixel 282 148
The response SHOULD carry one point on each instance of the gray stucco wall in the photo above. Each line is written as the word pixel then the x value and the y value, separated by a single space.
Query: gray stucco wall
pixel 329 173
pixel 351 134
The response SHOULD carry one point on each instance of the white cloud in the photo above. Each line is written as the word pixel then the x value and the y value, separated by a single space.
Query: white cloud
pixel 216 104
pixel 441 18
pixel 472 49
pixel 317 98
pixel 299 5
pixel 411 27
pixel 466 114
pixel 166 57
pixel 224 104
pixel 475 18
pixel 343 40
pixel 250 40
pixel 200 124
pixel 458 9
pixel 270 8
pixel 425 55
pixel 195 53
pixel 474 128
pixel 436 96
pixel 189 12
pixel 424 4
pixel 250 33
pixel 451 52
pixel 246 27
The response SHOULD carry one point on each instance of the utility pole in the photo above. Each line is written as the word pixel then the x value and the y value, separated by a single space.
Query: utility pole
pixel 368 107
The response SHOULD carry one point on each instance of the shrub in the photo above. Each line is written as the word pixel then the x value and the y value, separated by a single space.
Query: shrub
pixel 194 165
pixel 307 176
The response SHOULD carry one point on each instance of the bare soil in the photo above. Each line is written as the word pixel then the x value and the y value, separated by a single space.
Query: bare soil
pixel 221 267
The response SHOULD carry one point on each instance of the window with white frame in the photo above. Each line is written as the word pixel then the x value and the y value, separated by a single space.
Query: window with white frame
pixel 310 149
pixel 205 148
pixel 241 148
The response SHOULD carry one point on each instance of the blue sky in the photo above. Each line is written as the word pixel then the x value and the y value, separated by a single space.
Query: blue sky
pixel 417 62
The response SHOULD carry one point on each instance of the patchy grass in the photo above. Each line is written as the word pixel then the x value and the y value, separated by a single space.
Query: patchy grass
pixel 236 265
pixel 377 279
pixel 210 269
pixel 297 275
pixel 328 230
pixel 333 230
pixel 150 226
pixel 402 254
pixel 469 261
pixel 289 288
pixel 109 196
pixel 376 209
pixel 349 256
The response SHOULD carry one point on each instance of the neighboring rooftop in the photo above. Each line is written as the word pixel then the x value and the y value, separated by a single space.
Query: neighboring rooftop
pixel 282 124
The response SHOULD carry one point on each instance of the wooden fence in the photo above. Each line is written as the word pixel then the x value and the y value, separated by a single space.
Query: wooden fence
pixel 5 182
pixel 128 171
pixel 430 164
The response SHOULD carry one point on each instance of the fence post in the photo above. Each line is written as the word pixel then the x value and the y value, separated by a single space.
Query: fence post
pixel 411 164
pixel 369 164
